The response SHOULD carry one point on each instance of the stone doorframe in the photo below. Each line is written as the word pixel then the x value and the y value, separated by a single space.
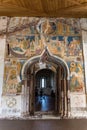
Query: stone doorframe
pixel 63 82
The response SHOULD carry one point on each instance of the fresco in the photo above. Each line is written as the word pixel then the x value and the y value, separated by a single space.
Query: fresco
pixel 76 76
pixel 65 45
pixel 23 23
pixel 56 45
pixel 26 46
pixel 74 47
pixel 31 35
pixel 58 26
pixel 29 46
pixel 46 27
pixel 27 37
pixel 12 76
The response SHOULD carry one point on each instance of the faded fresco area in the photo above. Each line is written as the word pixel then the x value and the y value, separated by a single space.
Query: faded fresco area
pixel 26 46
pixel 76 76
pixel 27 37
pixel 12 76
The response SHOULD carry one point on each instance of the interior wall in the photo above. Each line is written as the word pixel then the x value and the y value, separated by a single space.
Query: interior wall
pixel 2 52
pixel 27 37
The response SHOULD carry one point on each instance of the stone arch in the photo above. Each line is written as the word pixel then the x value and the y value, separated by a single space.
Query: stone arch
pixel 63 82
pixel 37 58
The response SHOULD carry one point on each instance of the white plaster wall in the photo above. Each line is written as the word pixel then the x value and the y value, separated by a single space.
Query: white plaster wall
pixel 84 39
pixel 83 22
pixel 78 105
pixel 11 106
pixel 78 100
pixel 3 26
pixel 2 53
pixel 25 100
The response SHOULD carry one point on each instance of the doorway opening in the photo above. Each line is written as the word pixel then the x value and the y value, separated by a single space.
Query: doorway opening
pixel 47 79
pixel 45 90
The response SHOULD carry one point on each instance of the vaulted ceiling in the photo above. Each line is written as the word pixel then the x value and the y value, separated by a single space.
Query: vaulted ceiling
pixel 44 8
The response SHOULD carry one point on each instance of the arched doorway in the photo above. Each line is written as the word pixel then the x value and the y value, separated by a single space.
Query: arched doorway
pixel 45 91
pixel 49 63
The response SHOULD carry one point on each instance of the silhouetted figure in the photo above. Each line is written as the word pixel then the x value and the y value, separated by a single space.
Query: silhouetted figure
pixel 41 93
pixel 52 93
pixel 36 92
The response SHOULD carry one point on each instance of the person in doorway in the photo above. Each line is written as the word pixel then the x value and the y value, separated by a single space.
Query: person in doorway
pixel 41 92
pixel 52 93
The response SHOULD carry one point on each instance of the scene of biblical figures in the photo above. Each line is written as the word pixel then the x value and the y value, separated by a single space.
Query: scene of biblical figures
pixel 74 47
pixel 64 45
pixel 61 26
pixel 58 26
pixel 29 46
pixel 45 26
pixel 76 77
pixel 56 45
pixel 68 26
pixel 12 76
pixel 26 46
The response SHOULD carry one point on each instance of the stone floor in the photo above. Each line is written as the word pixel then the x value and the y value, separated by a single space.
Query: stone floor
pixel 45 103
pixel 62 124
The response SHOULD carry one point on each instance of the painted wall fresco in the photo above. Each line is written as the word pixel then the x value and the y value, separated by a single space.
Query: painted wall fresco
pixel 26 46
pixel 30 36
pixel 27 37
pixel 76 76
pixel 29 46
pixel 12 76
pixel 65 45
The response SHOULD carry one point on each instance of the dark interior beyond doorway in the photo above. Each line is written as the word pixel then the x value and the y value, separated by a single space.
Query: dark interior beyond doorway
pixel 45 90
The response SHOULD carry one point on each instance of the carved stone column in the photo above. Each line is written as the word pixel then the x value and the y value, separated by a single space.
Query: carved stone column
pixel 68 99
pixel 62 98
pixel 59 89
pixel 31 103
pixel 65 98
pixel 31 94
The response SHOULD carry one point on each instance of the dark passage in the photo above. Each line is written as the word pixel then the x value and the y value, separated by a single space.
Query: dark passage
pixel 45 91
